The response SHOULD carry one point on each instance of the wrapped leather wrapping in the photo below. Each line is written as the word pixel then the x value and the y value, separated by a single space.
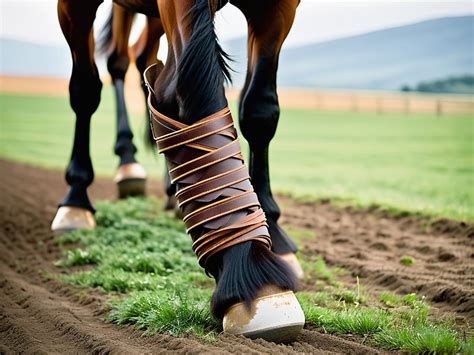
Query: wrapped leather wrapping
pixel 213 188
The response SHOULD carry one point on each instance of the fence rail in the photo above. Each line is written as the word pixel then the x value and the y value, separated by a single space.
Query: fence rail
pixel 380 102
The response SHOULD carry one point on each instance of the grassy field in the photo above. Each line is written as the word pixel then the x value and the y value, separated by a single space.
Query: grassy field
pixel 410 162
pixel 142 260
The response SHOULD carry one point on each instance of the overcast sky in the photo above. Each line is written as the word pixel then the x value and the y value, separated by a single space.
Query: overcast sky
pixel 316 20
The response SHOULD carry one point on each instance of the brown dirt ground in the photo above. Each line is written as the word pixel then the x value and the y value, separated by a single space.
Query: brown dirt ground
pixel 39 316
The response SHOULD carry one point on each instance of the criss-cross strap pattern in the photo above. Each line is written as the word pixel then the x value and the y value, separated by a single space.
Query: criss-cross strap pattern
pixel 213 186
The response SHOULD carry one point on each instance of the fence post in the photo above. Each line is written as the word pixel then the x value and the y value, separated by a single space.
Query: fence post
pixel 379 106
pixel 439 111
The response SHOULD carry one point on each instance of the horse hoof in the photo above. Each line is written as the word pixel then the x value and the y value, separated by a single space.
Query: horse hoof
pixel 275 315
pixel 170 203
pixel 70 218
pixel 130 180
pixel 294 264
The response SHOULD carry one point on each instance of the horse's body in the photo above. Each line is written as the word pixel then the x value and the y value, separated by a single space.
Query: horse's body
pixel 189 88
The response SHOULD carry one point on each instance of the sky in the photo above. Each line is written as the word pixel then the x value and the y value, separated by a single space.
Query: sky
pixel 316 20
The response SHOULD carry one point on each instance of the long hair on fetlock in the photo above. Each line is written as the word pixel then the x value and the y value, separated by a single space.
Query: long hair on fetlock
pixel 243 270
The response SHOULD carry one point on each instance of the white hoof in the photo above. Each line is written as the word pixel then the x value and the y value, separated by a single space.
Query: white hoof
pixel 275 315
pixel 129 171
pixel 294 264
pixel 70 218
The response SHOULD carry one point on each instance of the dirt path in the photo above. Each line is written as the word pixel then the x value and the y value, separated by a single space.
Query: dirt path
pixel 47 317
pixel 370 243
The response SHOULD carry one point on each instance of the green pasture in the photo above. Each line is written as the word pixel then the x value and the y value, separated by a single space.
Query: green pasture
pixel 418 163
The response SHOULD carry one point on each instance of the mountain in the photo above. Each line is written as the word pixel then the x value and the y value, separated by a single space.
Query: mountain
pixel 385 59
pixel 382 60
pixel 21 58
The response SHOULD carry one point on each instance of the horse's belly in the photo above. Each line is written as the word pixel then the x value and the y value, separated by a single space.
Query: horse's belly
pixel 146 7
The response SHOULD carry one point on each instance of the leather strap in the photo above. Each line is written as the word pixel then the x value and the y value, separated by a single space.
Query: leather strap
pixel 213 186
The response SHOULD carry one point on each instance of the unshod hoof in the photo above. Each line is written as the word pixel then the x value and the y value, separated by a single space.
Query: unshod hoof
pixel 172 205
pixel 70 218
pixel 130 180
pixel 275 315
pixel 292 261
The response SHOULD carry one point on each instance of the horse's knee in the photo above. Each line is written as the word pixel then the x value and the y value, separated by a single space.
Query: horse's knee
pixel 84 89
pixel 259 114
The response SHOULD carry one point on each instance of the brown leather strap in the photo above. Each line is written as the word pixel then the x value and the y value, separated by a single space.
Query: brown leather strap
pixel 213 186
pixel 228 151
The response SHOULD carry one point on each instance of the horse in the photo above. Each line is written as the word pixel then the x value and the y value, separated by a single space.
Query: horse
pixel 228 210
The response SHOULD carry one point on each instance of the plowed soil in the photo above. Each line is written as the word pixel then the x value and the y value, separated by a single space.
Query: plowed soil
pixel 40 316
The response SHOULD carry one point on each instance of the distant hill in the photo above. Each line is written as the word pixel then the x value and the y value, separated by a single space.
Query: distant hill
pixel 30 59
pixel 380 60
pixel 386 59
pixel 452 85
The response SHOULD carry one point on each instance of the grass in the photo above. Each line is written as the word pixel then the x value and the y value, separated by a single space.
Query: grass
pixel 148 257
pixel 407 260
pixel 417 163
pixel 143 260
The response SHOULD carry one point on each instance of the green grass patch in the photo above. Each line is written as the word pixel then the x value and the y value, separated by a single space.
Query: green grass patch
pixel 404 327
pixel 143 260
pixel 416 163
pixel 167 312
pixel 147 256
pixel 407 260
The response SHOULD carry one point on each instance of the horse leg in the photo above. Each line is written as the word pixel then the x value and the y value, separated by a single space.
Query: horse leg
pixel 254 287
pixel 268 26
pixel 146 57
pixel 76 211
pixel 130 176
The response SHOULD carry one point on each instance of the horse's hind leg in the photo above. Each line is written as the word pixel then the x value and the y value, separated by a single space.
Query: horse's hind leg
pixel 76 19
pixel 149 42
pixel 268 26
pixel 130 176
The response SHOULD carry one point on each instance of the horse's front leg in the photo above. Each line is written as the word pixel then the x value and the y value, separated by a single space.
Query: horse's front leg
pixel 194 129
pixel 76 211
pixel 259 110
pixel 130 177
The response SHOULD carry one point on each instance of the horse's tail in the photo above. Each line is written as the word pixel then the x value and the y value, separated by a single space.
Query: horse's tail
pixel 103 41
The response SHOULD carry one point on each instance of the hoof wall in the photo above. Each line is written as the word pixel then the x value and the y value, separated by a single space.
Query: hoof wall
pixel 130 180
pixel 131 187
pixel 70 218
pixel 275 315
pixel 294 264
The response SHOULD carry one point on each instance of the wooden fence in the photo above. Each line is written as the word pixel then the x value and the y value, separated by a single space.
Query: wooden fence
pixel 379 102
